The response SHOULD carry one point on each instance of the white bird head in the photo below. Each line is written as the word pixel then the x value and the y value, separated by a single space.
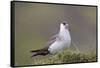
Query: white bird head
pixel 64 26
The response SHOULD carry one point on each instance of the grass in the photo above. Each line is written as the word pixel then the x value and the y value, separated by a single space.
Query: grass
pixel 65 56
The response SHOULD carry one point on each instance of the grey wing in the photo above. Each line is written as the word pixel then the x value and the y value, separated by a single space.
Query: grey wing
pixel 54 37
pixel 50 41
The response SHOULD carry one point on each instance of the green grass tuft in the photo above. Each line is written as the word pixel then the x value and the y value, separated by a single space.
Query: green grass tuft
pixel 65 56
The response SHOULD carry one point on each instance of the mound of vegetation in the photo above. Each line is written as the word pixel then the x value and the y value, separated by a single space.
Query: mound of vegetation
pixel 65 56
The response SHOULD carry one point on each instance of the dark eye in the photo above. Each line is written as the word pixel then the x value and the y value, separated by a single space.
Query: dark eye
pixel 64 23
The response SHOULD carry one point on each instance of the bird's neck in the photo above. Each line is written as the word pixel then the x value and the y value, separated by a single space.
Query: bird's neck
pixel 64 33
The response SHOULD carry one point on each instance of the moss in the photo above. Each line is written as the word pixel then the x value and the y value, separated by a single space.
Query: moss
pixel 65 56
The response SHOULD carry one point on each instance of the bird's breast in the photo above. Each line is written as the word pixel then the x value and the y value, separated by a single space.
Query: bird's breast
pixel 62 41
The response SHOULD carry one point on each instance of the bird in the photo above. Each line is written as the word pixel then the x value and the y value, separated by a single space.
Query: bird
pixel 57 42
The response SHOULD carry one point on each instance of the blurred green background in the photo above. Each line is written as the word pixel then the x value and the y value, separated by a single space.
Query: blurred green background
pixel 35 23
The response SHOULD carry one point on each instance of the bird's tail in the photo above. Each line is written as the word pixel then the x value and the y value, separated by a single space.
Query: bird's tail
pixel 39 52
pixel 34 50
